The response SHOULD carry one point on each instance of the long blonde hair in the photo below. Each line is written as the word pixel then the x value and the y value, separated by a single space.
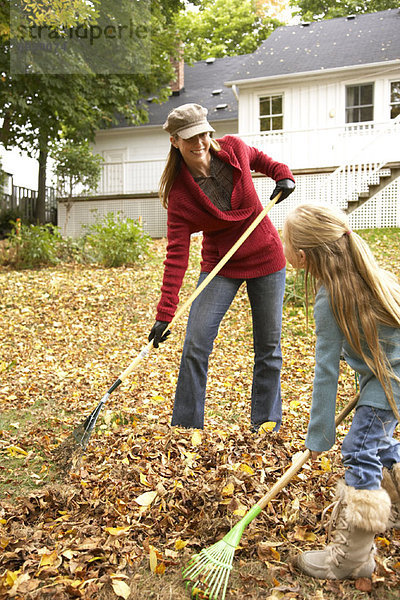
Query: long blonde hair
pixel 362 294
pixel 171 170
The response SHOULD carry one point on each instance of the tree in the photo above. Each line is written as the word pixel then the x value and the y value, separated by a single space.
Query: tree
pixel 38 108
pixel 311 10
pixel 225 28
pixel 76 166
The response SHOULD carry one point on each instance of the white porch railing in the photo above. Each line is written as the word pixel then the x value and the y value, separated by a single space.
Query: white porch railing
pixel 300 149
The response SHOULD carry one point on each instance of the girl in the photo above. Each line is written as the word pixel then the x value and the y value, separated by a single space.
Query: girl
pixel 207 186
pixel 357 314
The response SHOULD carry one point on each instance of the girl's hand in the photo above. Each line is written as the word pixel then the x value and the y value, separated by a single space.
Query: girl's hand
pixel 314 455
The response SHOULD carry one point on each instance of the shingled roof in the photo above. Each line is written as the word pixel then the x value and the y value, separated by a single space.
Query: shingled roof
pixel 322 45
pixel 203 84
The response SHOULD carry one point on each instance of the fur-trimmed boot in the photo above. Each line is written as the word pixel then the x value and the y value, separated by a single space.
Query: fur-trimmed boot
pixel 357 516
pixel 391 483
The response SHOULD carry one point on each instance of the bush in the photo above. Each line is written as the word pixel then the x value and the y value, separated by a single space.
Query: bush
pixel 33 245
pixel 8 218
pixel 115 241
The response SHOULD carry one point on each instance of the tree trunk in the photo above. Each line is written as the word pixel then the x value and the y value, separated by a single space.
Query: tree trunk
pixel 40 211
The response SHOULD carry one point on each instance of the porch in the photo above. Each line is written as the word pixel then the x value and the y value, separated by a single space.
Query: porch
pixel 354 166
pixel 301 149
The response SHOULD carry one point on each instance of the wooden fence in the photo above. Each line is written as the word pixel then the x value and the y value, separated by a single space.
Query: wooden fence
pixel 22 201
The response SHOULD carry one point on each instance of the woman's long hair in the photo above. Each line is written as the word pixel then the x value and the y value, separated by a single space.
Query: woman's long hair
pixel 171 170
pixel 362 295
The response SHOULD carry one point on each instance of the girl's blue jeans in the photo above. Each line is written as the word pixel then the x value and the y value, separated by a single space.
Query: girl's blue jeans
pixel 369 446
pixel 206 313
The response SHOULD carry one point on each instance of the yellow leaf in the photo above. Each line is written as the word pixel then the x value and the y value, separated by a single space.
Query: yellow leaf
pixel 117 530
pixel 275 554
pixel 326 464
pixel 4 542
pixel 146 499
pixel 179 544
pixel 121 588
pixel 228 490
pixel 143 479
pixel 15 451
pixel 294 403
pixel 160 569
pixel 125 461
pixel 246 469
pixel 301 534
pixel 11 577
pixel 383 541
pixel 196 438
pixel 241 510
pixel 48 560
pixel 153 559
pixel 267 426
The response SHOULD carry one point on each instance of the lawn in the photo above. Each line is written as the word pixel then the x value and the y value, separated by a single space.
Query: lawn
pixel 145 497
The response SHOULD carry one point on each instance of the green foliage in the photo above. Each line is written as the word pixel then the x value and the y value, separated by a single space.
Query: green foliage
pixel 224 28
pixel 114 241
pixel 75 164
pixel 311 10
pixel 7 221
pixel 295 290
pixel 33 245
pixel 40 106
pixel 2 180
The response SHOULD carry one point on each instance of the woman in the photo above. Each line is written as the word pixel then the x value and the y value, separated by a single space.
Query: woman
pixel 207 186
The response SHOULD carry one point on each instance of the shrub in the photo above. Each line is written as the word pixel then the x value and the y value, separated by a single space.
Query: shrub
pixel 115 241
pixel 33 245
pixel 8 218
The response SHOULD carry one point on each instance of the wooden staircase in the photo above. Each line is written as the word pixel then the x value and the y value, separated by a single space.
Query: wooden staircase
pixel 368 172
pixel 386 175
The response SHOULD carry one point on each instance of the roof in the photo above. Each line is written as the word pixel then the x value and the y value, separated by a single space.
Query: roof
pixel 203 84
pixel 321 45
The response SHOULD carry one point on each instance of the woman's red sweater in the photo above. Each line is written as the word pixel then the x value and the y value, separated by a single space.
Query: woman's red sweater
pixel 190 211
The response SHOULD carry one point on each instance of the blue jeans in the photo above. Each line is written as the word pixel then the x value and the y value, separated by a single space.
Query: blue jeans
pixel 206 313
pixel 369 446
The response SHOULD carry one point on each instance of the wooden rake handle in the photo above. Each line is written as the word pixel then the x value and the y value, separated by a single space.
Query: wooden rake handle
pixel 204 283
pixel 296 466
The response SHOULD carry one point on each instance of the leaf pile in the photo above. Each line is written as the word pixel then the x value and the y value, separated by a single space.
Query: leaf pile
pixel 145 496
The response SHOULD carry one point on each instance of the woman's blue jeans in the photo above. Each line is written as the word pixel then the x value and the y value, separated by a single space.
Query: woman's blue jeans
pixel 369 446
pixel 206 313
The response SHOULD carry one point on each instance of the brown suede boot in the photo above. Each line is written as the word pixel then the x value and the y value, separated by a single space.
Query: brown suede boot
pixel 358 515
pixel 391 483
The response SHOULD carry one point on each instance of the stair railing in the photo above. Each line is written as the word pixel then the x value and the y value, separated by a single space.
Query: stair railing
pixel 354 176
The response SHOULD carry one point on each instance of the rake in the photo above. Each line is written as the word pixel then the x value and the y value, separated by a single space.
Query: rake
pixel 208 572
pixel 78 440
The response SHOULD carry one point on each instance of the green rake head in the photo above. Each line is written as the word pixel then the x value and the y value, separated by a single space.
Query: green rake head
pixel 208 572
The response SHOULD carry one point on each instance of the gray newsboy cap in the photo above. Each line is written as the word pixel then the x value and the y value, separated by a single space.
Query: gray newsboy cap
pixel 187 120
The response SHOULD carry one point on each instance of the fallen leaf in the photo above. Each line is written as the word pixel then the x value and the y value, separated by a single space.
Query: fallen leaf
pixel 121 588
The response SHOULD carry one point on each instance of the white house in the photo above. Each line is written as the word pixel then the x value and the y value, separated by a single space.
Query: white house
pixel 323 97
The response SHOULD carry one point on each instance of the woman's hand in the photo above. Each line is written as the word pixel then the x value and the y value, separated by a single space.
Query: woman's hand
pixel 157 333
pixel 285 186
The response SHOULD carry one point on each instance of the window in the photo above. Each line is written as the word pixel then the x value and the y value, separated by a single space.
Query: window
pixel 394 99
pixel 271 115
pixel 360 103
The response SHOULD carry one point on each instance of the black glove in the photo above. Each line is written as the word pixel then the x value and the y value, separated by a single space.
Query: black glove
pixel 286 186
pixel 157 333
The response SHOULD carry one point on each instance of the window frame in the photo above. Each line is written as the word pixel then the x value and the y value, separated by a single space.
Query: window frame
pixel 359 107
pixel 271 115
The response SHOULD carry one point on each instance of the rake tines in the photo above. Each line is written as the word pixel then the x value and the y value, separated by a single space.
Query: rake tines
pixel 209 571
